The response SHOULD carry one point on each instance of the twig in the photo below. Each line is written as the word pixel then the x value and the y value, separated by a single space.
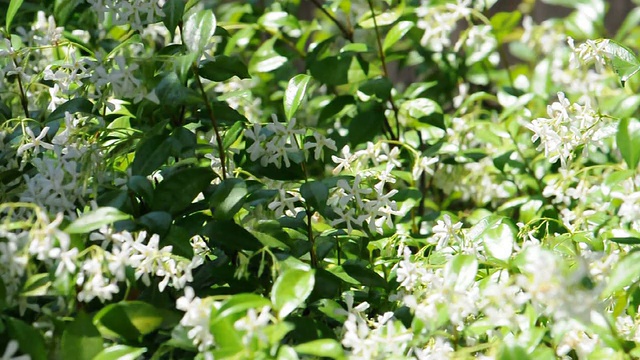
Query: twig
pixel 345 32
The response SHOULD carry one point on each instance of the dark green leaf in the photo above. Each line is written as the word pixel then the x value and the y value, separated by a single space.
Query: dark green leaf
pixel 77 105
pixel 173 11
pixel 365 276
pixel 228 198
pixel 180 187
pixel 626 240
pixel 223 67
pixel 293 96
pixel 157 222
pixel 142 187
pixel 229 235
pixel 95 220
pixel 315 194
pixel 366 125
pixel 379 87
pixel 30 340
pixel 152 153
pixel 81 339
pixel 62 9
pixel 335 107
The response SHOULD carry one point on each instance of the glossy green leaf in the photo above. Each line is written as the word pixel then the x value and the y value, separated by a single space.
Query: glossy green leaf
pixel 366 125
pixel 95 219
pixel 120 352
pixel 152 153
pixel 77 105
pixel 14 5
pixel 81 339
pixel 397 32
pixel 315 193
pixel 364 275
pixel 173 11
pixel 625 273
pixel 628 141
pixel 228 198
pixel 198 29
pixel 461 271
pixel 239 303
pixel 622 59
pixel 293 96
pixel 266 59
pixel 176 191
pixel 229 235
pixel 157 222
pixel 223 67
pixel 330 348
pixel 291 289
pixel 129 319
pixel 141 186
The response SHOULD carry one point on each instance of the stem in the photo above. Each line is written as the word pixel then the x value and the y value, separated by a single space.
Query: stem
pixel 312 240
pixel 213 121
pixel 23 97
pixel 345 32
pixel 385 72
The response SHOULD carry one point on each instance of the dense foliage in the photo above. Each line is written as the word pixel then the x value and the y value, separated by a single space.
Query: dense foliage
pixel 317 179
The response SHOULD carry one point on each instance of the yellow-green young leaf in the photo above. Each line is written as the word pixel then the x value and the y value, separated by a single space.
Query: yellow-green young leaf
pixel 198 30
pixel 129 319
pixel 291 289
pixel 95 219
pixel 625 273
pixel 293 96
pixel 381 19
pixel 628 141
pixel 14 5
pixel 321 348
pixel 397 32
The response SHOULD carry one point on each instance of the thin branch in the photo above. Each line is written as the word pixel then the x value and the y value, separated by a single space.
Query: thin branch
pixel 385 72
pixel 214 122
pixel 345 32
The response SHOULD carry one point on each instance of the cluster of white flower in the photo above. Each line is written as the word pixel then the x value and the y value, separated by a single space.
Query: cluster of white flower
pixel 117 75
pixel 197 318
pixel 365 199
pixel 568 127
pixel 67 78
pixel 136 13
pixel 278 143
pixel 439 22
pixel 589 52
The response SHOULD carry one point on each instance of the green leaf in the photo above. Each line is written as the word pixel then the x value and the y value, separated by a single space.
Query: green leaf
pixel 422 111
pixel 624 273
pixel 239 303
pixel 141 186
pixel 36 285
pixel 628 141
pixel 95 220
pixel 173 11
pixel 228 198
pixel 223 67
pixel 330 348
pixel 293 96
pixel 151 154
pixel 198 30
pixel 382 19
pixel 120 352
pixel 130 319
pixel 397 32
pixel 621 58
pixel 461 271
pixel 30 340
pixel 315 193
pixel 180 187
pixel 266 59
pixel 62 9
pixel 366 125
pixel 229 235
pixel 157 222
pixel 232 134
pixel 291 289
pixel 364 276
pixel 81 339
pixel 77 105
pixel 626 240
pixel 14 5
pixel 379 87
pixel 503 23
